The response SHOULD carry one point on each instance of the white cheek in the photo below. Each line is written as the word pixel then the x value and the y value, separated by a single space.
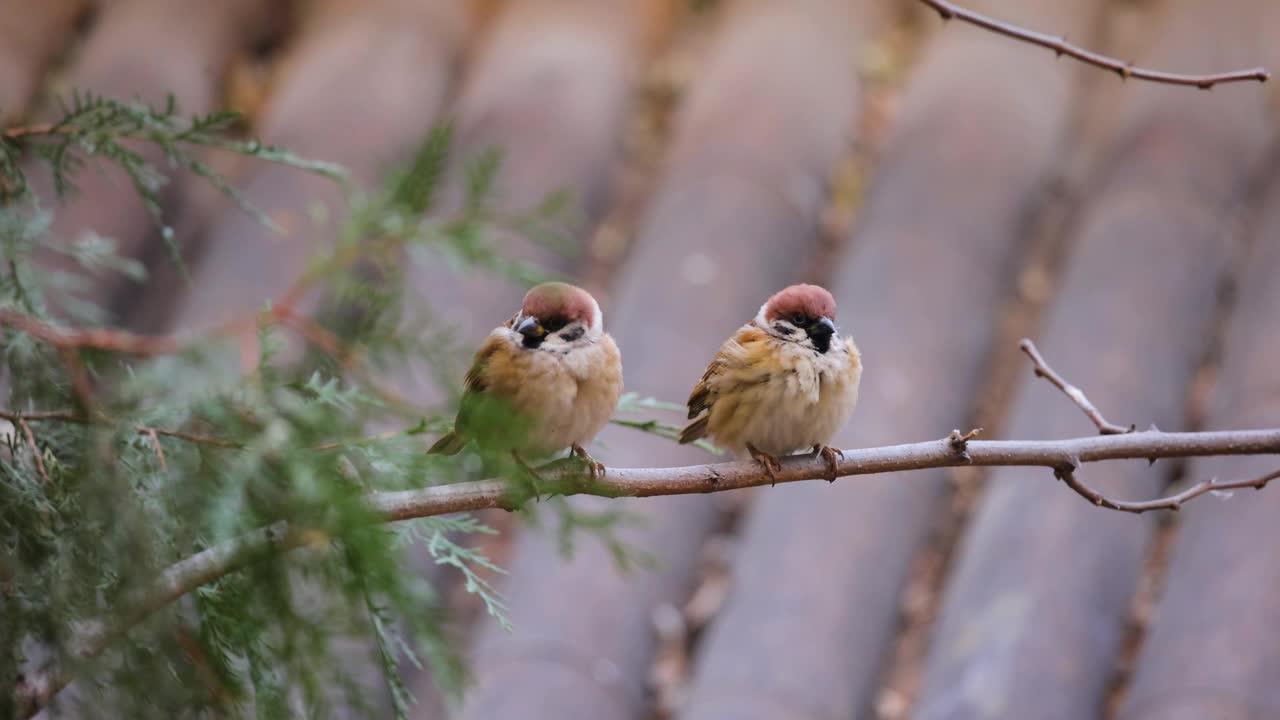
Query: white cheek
pixel 597 317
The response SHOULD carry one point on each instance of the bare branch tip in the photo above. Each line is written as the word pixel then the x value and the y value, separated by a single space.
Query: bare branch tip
pixel 1062 46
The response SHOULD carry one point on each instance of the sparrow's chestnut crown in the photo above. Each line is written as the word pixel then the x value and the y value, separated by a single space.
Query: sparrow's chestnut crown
pixel 801 305
pixel 556 304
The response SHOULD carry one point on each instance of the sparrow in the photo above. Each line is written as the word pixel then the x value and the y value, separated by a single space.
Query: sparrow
pixel 547 379
pixel 785 381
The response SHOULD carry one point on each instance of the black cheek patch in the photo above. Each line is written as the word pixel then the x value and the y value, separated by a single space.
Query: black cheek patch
pixel 782 328
pixel 572 333
pixel 821 343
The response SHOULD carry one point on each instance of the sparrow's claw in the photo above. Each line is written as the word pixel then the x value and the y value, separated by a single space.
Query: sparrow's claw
pixel 767 461
pixel 594 468
pixel 534 477
pixel 833 457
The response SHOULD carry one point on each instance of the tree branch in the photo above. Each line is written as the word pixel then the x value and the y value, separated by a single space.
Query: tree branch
pixel 22 418
pixel 1173 502
pixel 68 342
pixel 22 131
pixel 566 477
pixel 118 341
pixel 128 343
pixel 1061 46
pixel 1077 395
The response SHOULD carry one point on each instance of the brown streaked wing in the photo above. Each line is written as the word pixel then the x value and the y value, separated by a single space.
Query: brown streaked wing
pixel 474 380
pixel 694 430
pixel 476 383
pixel 703 395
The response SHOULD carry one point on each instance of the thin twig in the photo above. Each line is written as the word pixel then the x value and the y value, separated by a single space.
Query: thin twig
pixel 42 416
pixel 281 312
pixel 73 417
pixel 385 435
pixel 79 374
pixel 217 689
pixel 128 343
pixel 35 450
pixel 69 342
pixel 1172 502
pixel 191 437
pixel 1061 46
pixel 321 337
pixel 1077 395
pixel 155 444
pixel 67 416
pixel 21 131
pixel 118 341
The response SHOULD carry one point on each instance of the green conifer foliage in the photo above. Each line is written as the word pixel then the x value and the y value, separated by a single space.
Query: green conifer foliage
pixel 133 469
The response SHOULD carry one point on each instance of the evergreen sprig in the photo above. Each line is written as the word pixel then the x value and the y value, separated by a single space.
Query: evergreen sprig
pixel 115 469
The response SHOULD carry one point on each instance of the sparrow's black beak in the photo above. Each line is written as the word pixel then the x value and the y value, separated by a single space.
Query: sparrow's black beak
pixel 530 327
pixel 820 333
pixel 532 331
pixel 823 327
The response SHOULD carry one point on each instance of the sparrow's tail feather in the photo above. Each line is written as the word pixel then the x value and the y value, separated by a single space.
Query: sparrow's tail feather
pixel 694 430
pixel 450 444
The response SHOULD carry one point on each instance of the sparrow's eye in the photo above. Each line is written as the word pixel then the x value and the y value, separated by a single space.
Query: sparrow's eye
pixel 553 324
pixel 797 319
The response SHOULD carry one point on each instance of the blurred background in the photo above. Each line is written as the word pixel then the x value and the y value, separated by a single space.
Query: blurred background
pixel 954 189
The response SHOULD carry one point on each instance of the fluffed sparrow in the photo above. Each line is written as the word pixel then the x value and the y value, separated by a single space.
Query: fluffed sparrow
pixel 547 379
pixel 785 381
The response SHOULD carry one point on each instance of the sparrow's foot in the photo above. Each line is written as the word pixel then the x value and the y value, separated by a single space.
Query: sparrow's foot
pixel 833 457
pixel 594 469
pixel 534 477
pixel 767 461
